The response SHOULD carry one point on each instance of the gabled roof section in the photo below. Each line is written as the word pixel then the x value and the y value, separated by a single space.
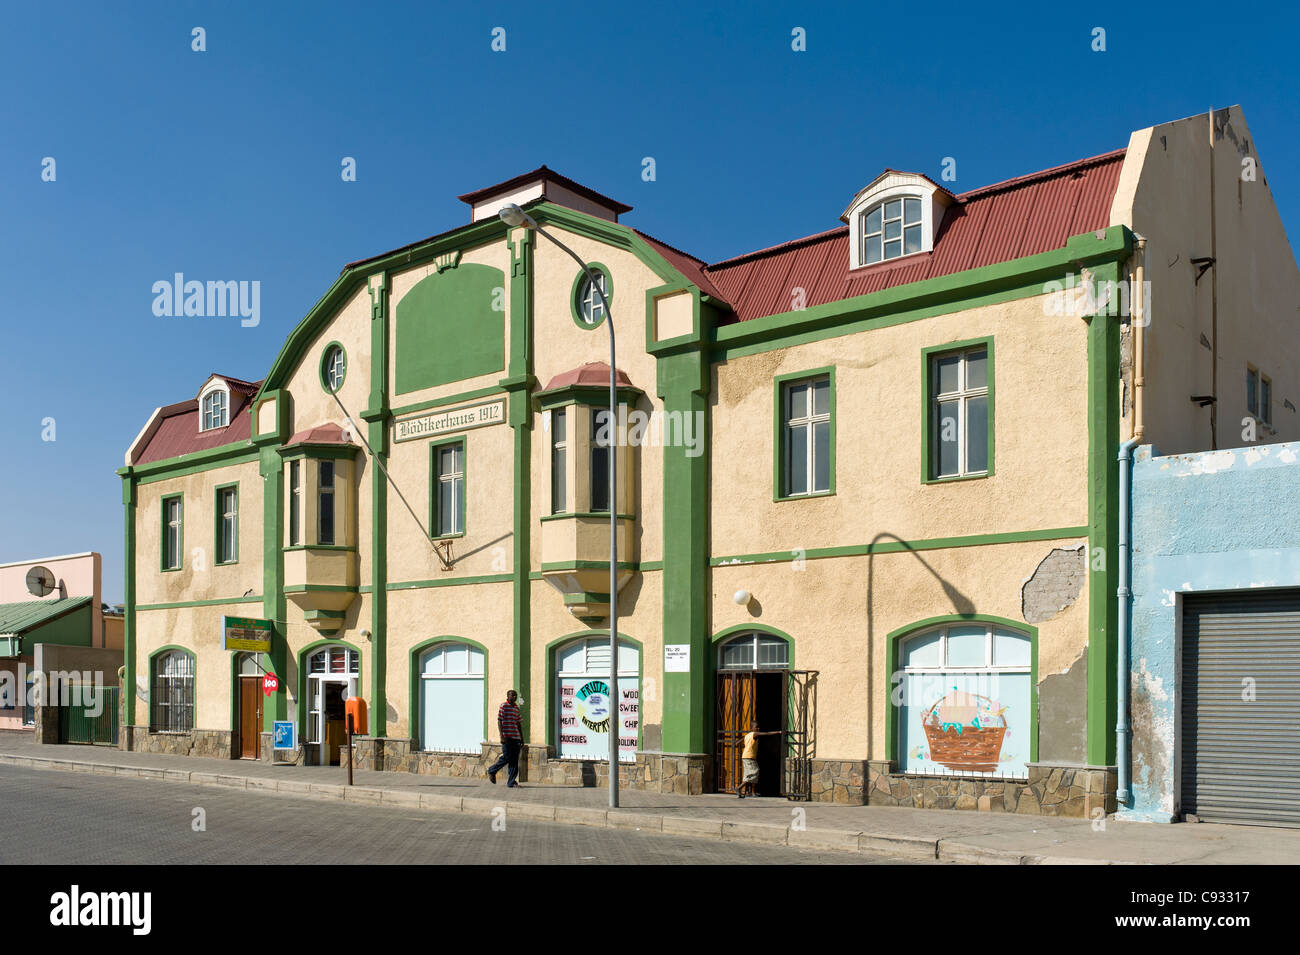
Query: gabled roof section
pixel 18 618
pixel 174 429
pixel 1007 220
pixel 899 173
pixel 545 177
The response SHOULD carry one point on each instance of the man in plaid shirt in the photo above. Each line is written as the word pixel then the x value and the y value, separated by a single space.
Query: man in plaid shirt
pixel 512 740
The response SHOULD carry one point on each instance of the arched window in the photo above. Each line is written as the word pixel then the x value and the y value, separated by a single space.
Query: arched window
pixel 754 651
pixel 890 229
pixel 452 698
pixel 965 701
pixel 582 674
pixel 216 410
pixel 171 698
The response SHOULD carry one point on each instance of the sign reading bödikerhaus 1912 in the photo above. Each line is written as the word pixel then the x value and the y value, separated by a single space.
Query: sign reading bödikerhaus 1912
pixel 440 422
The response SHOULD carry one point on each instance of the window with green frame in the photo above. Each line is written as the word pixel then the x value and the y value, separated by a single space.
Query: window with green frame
pixel 805 438
pixel 227 530
pixel 173 531
pixel 449 489
pixel 958 427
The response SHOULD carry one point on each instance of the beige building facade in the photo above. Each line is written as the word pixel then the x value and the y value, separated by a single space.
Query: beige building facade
pixel 867 486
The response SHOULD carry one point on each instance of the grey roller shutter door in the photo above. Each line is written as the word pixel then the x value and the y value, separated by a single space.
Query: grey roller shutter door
pixel 1241 757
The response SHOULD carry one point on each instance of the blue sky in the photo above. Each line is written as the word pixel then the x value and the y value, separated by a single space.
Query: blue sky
pixel 225 164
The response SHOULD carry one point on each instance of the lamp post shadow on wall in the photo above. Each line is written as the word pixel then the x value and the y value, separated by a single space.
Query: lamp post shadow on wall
pixel 515 217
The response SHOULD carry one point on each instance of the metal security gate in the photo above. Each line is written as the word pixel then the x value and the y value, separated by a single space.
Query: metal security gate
pixel 1240 700
pixel 92 720
pixel 748 696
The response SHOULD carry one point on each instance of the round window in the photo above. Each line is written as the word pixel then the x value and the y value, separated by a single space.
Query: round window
pixel 334 367
pixel 588 306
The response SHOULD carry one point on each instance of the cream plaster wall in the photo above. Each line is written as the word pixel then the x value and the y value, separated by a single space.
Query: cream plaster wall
pixel 1164 195
pixel 839 612
pixel 1040 372
pixel 198 529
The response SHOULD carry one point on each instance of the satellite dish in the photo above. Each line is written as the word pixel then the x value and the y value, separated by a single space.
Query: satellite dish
pixel 40 581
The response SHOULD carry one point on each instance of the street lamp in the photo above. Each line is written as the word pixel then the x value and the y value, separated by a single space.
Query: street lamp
pixel 514 217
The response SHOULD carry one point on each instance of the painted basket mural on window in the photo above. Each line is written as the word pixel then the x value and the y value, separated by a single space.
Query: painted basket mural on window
pixel 965 731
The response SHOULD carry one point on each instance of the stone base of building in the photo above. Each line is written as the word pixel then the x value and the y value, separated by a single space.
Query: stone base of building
pixel 840 781
pixel 1051 790
pixel 213 743
pixel 683 774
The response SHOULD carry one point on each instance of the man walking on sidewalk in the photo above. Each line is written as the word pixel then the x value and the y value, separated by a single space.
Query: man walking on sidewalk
pixel 512 740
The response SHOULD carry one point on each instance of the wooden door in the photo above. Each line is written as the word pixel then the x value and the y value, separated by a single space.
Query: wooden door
pixel 736 711
pixel 250 717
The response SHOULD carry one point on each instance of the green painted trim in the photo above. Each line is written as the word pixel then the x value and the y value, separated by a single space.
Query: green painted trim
pixel 216 535
pixel 357 276
pixel 648 566
pixel 129 508
pixel 779 384
pixel 309 451
pixel 451 582
pixel 894 639
pixel 274 604
pixel 585 597
pixel 319 589
pixel 413 683
pixel 521 382
pixel 320 370
pixel 1103 527
pixel 345 547
pixel 894 547
pixel 689 341
pixel 377 420
pixel 608 233
pixel 1005 281
pixel 552 713
pixel 216 602
pixel 324 614
pixel 722 636
pixel 683 380
pixel 575 307
pixel 304 701
pixel 585 565
pixel 180 532
pixel 449 400
pixel 281 431
pixel 184 465
pixel 927 399
pixel 194 703
pixel 603 515
pixel 435 530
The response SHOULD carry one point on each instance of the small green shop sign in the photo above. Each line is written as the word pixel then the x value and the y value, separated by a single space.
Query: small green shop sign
pixel 246 633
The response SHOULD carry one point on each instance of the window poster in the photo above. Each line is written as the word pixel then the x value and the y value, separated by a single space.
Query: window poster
pixel 585 717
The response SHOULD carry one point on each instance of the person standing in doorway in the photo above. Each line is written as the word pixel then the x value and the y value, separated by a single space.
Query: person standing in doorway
pixel 510 727
pixel 749 760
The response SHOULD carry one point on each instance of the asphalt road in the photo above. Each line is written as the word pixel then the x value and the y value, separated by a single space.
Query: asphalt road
pixel 80 819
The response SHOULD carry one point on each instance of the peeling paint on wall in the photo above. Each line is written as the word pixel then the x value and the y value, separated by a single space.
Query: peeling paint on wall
pixel 1152 725
pixel 1054 585
pixel 1062 722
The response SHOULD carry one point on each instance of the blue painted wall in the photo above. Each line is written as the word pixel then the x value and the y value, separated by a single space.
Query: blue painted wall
pixel 1215 520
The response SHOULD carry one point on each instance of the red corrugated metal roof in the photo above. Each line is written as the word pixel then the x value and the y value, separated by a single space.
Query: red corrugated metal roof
pixel 1007 220
pixel 177 430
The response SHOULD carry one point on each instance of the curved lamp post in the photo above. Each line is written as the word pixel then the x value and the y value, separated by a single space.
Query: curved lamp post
pixel 514 217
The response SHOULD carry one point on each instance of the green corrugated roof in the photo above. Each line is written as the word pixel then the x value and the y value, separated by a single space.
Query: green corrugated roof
pixel 21 617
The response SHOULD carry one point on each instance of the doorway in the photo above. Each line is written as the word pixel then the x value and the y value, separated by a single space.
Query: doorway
pixel 333 675
pixel 248 720
pixel 746 699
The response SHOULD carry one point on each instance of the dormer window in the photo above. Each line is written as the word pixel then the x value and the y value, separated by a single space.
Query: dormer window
pixel 891 229
pixel 216 410
pixel 898 214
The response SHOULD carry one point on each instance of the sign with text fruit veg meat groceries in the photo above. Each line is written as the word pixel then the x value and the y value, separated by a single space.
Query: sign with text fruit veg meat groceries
pixel 585 717
pixel 246 633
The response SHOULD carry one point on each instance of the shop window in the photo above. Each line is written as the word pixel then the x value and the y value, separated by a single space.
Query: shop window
pixel 171 698
pixel 964 705
pixel 452 698
pixel 582 676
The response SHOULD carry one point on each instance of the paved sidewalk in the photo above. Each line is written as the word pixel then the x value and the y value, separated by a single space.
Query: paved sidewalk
pixel 947 835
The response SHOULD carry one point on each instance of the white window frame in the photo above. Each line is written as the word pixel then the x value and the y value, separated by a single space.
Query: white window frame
pixel 215 407
pixel 808 422
pixel 590 303
pixel 170 672
pixel 316 691
pixel 560 461
pixel 469 674
pixel 335 368
pixel 757 639
pixel 173 529
pixel 588 672
pixel 453 483
pixel 866 240
pixel 229 515
pixel 962 396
